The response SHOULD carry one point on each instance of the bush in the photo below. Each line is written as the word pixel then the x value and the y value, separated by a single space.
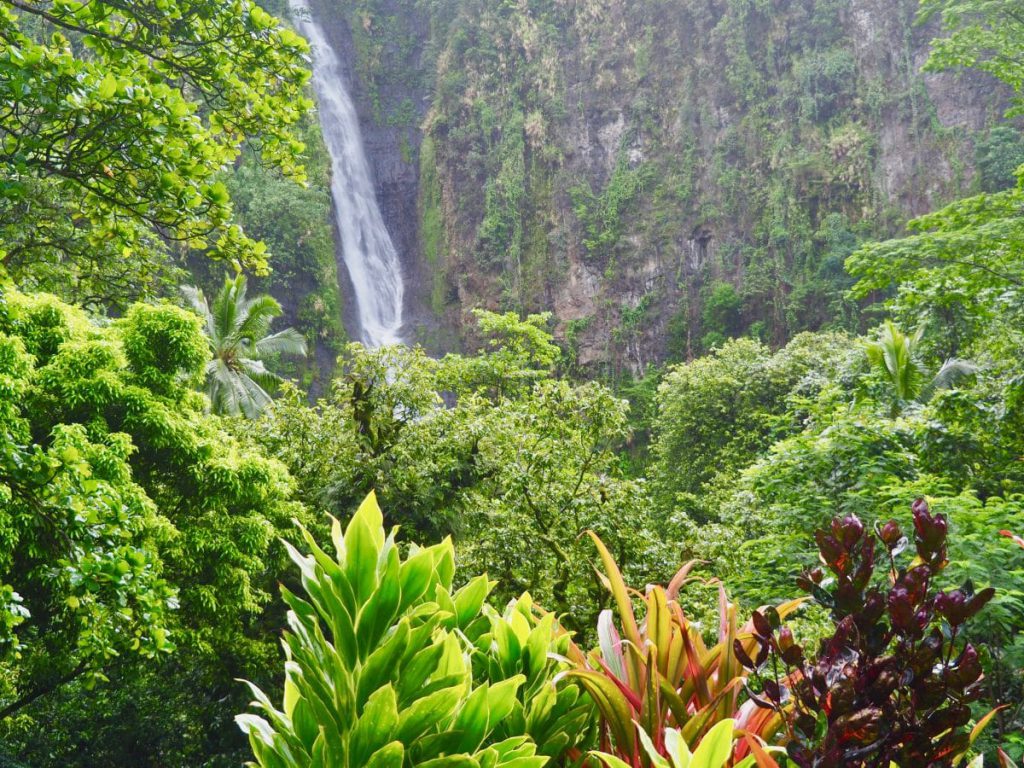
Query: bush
pixel 388 666
pixel 891 685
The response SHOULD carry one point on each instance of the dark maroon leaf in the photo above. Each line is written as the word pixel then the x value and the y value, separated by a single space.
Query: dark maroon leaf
pixel 806 724
pixel 848 530
pixel 890 533
pixel 742 655
pixel 793 656
pixel 861 727
pixel 762 654
pixel 759 701
pixel 761 625
pixel 979 601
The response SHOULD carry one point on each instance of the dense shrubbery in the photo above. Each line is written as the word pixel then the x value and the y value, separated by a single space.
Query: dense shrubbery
pixel 134 524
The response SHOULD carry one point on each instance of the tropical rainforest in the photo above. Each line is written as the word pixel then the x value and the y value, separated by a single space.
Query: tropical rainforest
pixel 704 447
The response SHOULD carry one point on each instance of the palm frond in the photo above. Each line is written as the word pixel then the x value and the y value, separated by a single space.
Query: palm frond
pixel 256 371
pixel 256 317
pixel 952 371
pixel 222 389
pixel 253 397
pixel 226 309
pixel 286 342
pixel 197 300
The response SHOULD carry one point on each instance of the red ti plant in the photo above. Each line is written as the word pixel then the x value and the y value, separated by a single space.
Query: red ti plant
pixel 656 673
pixel 1018 540
pixel 892 684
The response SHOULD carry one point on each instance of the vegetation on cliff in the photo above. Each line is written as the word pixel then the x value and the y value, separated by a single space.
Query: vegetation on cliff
pixel 623 166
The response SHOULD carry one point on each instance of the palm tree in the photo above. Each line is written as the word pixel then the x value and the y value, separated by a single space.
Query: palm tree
pixel 895 354
pixel 237 329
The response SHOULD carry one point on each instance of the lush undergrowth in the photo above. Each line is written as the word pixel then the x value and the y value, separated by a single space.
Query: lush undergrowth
pixel 807 555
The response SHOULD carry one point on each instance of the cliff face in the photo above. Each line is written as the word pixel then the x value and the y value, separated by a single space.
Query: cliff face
pixel 659 173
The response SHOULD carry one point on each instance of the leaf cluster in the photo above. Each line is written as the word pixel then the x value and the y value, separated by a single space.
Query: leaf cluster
pixel 388 666
pixel 891 684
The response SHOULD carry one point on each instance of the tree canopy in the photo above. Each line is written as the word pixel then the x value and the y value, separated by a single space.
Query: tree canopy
pixel 134 523
pixel 118 118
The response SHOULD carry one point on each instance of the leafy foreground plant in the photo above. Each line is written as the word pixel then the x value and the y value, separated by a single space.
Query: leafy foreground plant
pixel 890 685
pixel 714 751
pixel 387 668
pixel 659 674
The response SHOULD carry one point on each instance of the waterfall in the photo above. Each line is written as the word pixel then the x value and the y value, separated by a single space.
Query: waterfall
pixel 366 248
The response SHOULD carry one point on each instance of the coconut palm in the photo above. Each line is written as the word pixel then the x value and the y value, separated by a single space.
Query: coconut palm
pixel 237 329
pixel 895 354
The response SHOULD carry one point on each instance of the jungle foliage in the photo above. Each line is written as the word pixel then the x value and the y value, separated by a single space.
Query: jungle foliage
pixel 711 567
pixel 118 119
pixel 134 524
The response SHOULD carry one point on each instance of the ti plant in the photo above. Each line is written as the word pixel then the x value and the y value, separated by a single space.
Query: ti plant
pixel 527 642
pixel 891 685
pixel 387 667
pixel 658 675
pixel 715 750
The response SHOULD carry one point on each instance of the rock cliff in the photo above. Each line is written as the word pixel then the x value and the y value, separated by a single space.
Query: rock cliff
pixel 658 173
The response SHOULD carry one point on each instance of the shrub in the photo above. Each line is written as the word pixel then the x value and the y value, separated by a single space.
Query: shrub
pixel 388 667
pixel 658 675
pixel 891 685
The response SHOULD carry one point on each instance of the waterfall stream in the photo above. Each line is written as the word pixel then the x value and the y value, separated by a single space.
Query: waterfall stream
pixel 368 253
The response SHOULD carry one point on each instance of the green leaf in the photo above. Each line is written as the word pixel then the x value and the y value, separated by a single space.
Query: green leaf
pixel 383 664
pixel 677 748
pixel 107 88
pixel 389 756
pixel 537 645
pixel 451 761
pixel 382 607
pixel 416 574
pixel 361 558
pixel 501 698
pixel 429 713
pixel 716 746
pixel 611 760
pixel 652 753
pixel 375 726
pixel 472 721
pixel 470 599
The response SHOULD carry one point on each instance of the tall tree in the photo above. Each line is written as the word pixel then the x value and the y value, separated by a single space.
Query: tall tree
pixel 238 330
pixel 118 116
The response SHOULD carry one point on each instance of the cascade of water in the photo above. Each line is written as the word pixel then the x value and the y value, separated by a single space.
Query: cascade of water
pixel 367 251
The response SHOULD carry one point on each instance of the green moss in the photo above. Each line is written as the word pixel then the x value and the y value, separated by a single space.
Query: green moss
pixel 432 235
